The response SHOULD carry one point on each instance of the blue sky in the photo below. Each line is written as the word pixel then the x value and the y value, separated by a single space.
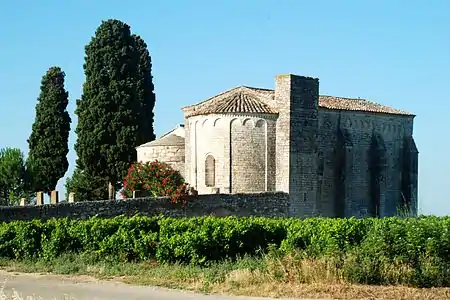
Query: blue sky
pixel 392 52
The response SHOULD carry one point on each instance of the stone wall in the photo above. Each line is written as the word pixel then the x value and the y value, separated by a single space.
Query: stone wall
pixel 296 99
pixel 341 163
pixel 243 146
pixel 252 147
pixel 349 191
pixel 208 136
pixel 258 204
pixel 334 161
pixel 173 155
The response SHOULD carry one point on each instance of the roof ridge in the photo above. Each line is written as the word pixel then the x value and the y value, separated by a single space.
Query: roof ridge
pixel 211 98
pixel 168 140
pixel 345 98
pixel 170 131
pixel 257 88
pixel 358 104
pixel 325 101
pixel 238 101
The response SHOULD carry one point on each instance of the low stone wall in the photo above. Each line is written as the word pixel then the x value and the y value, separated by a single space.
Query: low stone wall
pixel 257 204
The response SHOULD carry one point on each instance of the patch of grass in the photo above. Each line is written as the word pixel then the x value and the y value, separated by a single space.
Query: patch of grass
pixel 276 276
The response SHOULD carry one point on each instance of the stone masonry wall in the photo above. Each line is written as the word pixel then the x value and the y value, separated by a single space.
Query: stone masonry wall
pixel 360 128
pixel 208 135
pixel 296 99
pixel 243 146
pixel 188 159
pixel 249 154
pixel 172 155
pixel 221 205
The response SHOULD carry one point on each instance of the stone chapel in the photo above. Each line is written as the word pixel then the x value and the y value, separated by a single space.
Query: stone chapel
pixel 336 157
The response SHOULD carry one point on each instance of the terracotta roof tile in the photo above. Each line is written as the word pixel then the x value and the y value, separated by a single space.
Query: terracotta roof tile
pixel 246 99
pixel 235 101
pixel 331 102
pixel 350 104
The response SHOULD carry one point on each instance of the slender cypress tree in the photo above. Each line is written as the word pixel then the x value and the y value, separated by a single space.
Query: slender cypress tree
pixel 115 112
pixel 48 142
pixel 145 92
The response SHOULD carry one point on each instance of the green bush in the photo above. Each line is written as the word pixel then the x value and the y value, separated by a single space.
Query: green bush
pixel 367 250
pixel 203 239
pixel 156 178
pixel 319 236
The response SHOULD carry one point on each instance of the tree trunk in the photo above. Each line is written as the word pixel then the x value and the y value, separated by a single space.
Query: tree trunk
pixel 111 191
pixel 3 197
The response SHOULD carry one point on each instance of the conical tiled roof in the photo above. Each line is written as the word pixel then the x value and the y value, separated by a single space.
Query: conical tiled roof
pixel 236 101
pixel 168 140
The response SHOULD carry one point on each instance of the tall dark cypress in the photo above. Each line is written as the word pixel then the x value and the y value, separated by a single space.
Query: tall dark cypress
pixel 48 142
pixel 145 92
pixel 115 112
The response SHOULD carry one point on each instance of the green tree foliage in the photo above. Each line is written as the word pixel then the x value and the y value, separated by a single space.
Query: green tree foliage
pixel 115 109
pixel 86 187
pixel 13 184
pixel 145 92
pixel 48 142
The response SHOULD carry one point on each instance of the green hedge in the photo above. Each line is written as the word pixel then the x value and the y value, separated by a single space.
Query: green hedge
pixel 421 243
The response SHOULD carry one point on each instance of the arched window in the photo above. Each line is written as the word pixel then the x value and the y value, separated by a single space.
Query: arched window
pixel 210 171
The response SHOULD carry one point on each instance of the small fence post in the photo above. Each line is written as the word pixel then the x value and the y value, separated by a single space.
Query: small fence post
pixel 71 197
pixel 54 197
pixel 23 202
pixel 39 198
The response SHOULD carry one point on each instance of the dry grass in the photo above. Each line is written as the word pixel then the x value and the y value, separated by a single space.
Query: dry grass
pixel 246 282
pixel 289 277
pixel 286 277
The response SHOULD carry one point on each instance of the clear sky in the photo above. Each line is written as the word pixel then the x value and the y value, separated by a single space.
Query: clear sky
pixel 393 52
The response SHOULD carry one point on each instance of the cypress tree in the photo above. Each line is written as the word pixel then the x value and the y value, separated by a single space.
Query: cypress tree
pixel 113 112
pixel 48 142
pixel 145 92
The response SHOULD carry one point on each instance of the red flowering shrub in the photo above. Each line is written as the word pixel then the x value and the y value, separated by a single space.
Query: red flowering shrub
pixel 156 178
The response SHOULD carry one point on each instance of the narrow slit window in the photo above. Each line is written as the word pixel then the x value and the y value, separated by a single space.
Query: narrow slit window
pixel 210 171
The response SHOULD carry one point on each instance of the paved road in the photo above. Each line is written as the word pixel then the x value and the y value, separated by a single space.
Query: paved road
pixel 50 287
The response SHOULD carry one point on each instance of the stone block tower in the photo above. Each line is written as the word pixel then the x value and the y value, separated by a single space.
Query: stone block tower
pixel 297 101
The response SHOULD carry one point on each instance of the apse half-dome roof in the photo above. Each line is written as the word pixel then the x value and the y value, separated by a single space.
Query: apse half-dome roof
pixel 238 100
pixel 168 140
pixel 174 137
